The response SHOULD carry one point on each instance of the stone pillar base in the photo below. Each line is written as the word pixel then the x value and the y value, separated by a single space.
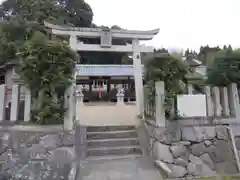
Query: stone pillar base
pixel 120 99
pixel 80 100
pixel 68 125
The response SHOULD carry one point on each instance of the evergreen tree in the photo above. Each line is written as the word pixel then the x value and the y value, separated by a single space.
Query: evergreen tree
pixel 229 49
pixel 224 47
pixel 225 69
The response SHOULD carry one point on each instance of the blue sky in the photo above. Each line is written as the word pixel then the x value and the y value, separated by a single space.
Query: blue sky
pixel 183 23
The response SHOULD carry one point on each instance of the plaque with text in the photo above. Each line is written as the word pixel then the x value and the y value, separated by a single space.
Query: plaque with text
pixel 106 39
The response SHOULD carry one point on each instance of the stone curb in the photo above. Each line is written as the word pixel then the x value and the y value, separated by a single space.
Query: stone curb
pixel 33 128
pixel 205 177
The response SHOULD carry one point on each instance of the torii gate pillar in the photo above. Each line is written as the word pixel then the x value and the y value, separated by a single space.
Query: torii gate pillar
pixel 138 77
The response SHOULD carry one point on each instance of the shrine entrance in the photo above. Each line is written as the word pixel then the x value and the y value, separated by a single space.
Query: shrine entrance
pixel 100 82
pixel 104 89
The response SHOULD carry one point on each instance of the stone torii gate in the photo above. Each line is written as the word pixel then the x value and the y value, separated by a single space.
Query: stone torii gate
pixel 106 35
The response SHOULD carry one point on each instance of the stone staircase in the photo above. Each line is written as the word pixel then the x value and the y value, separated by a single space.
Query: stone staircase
pixel 112 142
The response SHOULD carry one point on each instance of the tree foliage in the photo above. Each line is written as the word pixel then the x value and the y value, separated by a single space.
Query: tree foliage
pixel 21 19
pixel 167 68
pixel 225 68
pixel 206 54
pixel 75 12
pixel 46 67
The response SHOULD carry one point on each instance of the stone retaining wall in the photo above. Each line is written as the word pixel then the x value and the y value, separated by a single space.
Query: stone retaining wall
pixel 237 141
pixel 235 129
pixel 183 151
pixel 36 155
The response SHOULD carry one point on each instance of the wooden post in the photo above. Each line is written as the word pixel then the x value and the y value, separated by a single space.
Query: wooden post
pixel 27 105
pixel 15 102
pixel 159 100
pixel 2 101
pixel 108 85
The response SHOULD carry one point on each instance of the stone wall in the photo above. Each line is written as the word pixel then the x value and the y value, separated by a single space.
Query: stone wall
pixel 36 155
pixel 235 129
pixel 183 151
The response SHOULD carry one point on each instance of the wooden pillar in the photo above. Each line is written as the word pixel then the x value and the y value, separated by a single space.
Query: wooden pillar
pixel 15 102
pixel 108 85
pixel 129 83
pixel 90 85
pixel 108 88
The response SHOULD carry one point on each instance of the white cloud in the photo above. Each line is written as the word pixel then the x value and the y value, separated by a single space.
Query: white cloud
pixel 182 23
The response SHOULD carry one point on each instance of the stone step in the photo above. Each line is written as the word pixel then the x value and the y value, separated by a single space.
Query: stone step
pixel 112 142
pixel 109 128
pixel 128 156
pixel 117 150
pixel 112 134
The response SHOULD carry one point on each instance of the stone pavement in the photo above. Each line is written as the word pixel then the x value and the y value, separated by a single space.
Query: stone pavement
pixel 101 114
pixel 122 169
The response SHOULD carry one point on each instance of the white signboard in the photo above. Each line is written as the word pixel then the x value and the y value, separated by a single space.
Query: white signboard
pixel 192 105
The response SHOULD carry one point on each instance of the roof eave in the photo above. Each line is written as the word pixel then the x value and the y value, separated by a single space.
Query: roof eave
pixel 68 28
